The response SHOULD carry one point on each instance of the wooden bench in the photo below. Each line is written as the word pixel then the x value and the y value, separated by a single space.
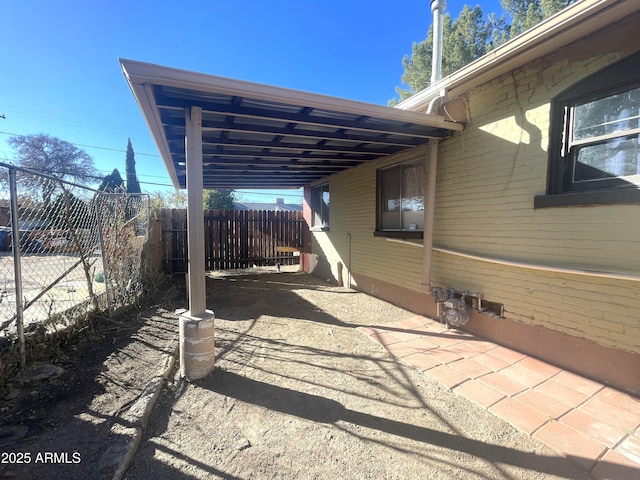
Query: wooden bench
pixel 296 253
pixel 288 250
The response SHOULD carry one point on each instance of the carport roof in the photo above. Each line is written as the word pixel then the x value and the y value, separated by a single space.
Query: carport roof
pixel 258 136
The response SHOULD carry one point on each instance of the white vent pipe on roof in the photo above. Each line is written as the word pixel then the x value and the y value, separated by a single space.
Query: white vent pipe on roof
pixel 437 8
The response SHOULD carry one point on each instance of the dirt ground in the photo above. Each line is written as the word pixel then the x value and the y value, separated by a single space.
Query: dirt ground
pixel 297 393
pixel 55 418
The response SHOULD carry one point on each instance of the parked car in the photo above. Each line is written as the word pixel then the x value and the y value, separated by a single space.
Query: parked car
pixel 27 239
pixel 47 240
pixel 5 239
pixel 53 241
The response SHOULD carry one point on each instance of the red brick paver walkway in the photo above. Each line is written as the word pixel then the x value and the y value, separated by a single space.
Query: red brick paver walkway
pixel 595 426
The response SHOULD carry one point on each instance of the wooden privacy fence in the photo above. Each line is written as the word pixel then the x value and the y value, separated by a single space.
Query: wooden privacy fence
pixel 234 238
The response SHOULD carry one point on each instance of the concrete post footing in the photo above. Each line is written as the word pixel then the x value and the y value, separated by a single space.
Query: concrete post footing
pixel 196 345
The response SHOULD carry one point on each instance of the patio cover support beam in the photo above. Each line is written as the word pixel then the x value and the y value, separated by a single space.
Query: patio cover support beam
pixel 429 215
pixel 195 209
pixel 196 324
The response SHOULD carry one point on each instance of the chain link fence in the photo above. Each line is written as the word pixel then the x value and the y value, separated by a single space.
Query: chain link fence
pixel 123 226
pixel 65 251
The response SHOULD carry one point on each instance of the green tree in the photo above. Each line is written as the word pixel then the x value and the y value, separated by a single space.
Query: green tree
pixel 464 39
pixel 469 37
pixel 58 159
pixel 417 68
pixel 528 13
pixel 213 200
pixel 133 186
pixel 112 182
pixel 219 199
pixel 159 200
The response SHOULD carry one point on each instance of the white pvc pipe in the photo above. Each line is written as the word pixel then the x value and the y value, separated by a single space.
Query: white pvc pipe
pixel 530 266
pixel 544 268
pixel 406 242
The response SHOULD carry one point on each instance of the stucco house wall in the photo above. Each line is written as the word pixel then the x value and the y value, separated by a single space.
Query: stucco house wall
pixel 487 178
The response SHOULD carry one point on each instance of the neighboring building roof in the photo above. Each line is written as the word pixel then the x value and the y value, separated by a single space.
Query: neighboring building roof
pixel 272 207
pixel 575 22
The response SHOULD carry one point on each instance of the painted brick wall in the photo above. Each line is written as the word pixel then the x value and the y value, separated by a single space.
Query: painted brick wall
pixel 353 220
pixel 487 178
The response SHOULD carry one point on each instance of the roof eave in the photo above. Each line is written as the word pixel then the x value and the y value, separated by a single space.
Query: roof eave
pixel 140 73
pixel 144 77
pixel 143 93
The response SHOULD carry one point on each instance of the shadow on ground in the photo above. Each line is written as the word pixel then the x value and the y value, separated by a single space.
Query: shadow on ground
pixel 59 426
pixel 298 392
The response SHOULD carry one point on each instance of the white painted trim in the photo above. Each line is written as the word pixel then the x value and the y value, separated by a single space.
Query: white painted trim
pixel 544 268
pixel 531 266
pixel 143 93
pixel 405 242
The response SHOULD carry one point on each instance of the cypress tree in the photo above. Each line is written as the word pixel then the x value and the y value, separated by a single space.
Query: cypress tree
pixel 133 186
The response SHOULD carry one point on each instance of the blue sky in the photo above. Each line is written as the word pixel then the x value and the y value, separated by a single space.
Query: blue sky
pixel 60 73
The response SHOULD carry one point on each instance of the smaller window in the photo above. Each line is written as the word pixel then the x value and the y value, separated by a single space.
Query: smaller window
pixel 320 206
pixel 401 198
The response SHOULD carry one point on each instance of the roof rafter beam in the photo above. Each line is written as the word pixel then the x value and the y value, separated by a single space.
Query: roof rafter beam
pixel 302 118
pixel 300 156
pixel 289 146
pixel 255 160
pixel 297 177
pixel 209 166
pixel 252 186
pixel 293 165
pixel 209 126
pixel 276 162
pixel 296 180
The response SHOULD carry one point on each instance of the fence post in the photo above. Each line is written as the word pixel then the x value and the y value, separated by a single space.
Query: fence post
pixel 17 265
pixel 105 266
